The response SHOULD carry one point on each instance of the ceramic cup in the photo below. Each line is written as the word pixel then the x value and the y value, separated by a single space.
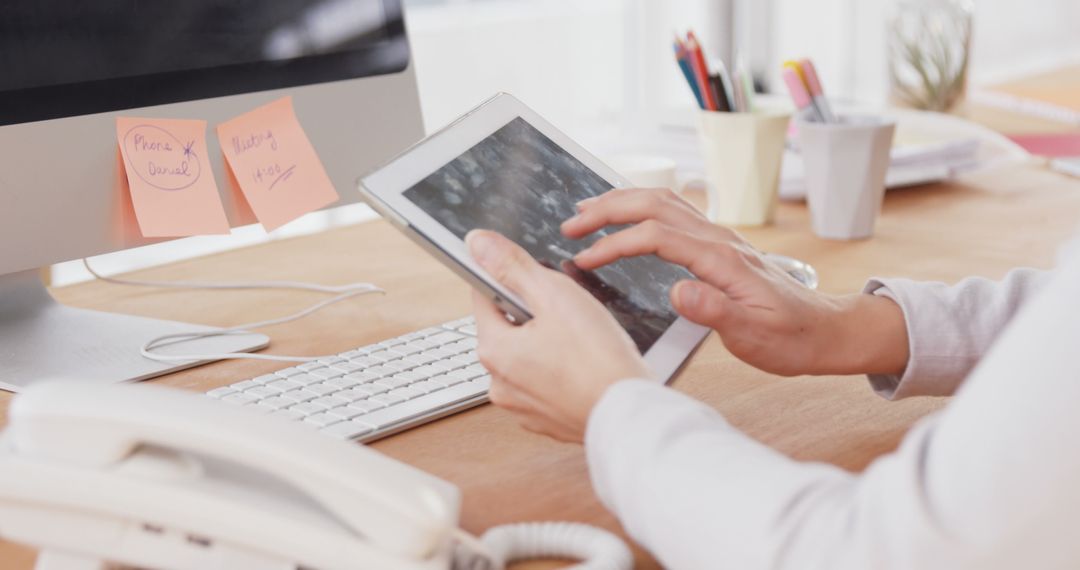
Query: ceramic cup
pixel 644 170
pixel 743 152
pixel 846 163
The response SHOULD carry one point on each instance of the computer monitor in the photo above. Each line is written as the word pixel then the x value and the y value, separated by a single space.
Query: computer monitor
pixel 68 69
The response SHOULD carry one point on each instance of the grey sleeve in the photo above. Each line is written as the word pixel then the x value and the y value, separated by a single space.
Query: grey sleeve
pixel 950 327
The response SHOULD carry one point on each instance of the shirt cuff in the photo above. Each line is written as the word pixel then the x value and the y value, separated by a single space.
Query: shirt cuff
pixel 621 426
pixel 923 375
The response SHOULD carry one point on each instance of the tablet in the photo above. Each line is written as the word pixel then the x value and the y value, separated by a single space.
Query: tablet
pixel 502 167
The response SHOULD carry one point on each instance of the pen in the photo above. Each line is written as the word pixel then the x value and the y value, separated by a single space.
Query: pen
pixel 701 71
pixel 800 96
pixel 813 85
pixel 683 59
pixel 747 82
pixel 716 82
pixel 724 99
pixel 798 71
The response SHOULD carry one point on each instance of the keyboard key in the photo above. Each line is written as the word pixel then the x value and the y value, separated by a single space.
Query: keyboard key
pixel 470 372
pixel 427 371
pixel 477 368
pixel 344 412
pixel 381 371
pixel 430 331
pixel 405 393
pixel 466 358
pixel 327 373
pixel 331 401
pixel 240 398
pixel 287 372
pixel 363 391
pixel 341 382
pixel 365 406
pixel 276 403
pixel 265 379
pixel 302 395
pixel 366 361
pixel 362 377
pixel 262 392
pixel 347 430
pixel 350 366
pixel 423 358
pixel 322 389
pixel 309 366
pixel 393 415
pixel 391 342
pixel 482 382
pixel 330 360
pixel 399 365
pixel 427 386
pixel 445 337
pixel 307 408
pixel 221 392
pixel 284 385
pixel 468 329
pixel 395 381
pixel 461 374
pixel 386 399
pixel 386 355
pixel 241 386
pixel 305 379
pixel 322 420
pixel 411 348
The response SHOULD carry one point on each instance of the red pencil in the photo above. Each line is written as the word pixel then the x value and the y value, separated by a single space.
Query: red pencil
pixel 701 71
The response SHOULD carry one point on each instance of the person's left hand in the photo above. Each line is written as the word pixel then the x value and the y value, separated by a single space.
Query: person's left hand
pixel 551 370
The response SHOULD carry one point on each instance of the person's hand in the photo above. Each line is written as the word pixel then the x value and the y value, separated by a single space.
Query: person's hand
pixel 764 316
pixel 551 370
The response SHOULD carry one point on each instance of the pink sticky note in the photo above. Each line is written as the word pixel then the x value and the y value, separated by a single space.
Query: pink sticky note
pixel 274 164
pixel 172 187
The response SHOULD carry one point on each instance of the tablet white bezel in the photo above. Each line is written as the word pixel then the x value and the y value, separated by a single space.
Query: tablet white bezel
pixel 388 184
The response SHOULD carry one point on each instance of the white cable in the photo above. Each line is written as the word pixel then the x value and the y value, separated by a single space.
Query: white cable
pixel 298 285
pixel 597 549
pixel 146 350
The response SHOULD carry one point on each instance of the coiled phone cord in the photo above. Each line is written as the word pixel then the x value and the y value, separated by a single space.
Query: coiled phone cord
pixel 595 548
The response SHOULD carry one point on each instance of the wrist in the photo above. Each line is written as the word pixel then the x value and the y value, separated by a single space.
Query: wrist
pixel 868 336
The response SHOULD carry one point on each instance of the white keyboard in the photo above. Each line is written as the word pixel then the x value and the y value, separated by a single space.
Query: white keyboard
pixel 375 390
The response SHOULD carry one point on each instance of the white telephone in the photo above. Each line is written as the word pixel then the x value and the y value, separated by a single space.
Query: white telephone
pixel 150 477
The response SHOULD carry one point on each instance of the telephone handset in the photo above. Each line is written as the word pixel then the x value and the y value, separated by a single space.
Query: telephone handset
pixel 152 477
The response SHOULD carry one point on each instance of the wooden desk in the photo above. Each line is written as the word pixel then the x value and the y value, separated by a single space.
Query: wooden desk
pixel 983 226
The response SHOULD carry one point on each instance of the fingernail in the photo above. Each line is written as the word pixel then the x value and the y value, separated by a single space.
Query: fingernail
pixel 688 295
pixel 586 202
pixel 583 253
pixel 482 246
pixel 570 220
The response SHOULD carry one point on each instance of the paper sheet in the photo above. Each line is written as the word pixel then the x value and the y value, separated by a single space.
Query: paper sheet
pixel 171 185
pixel 274 163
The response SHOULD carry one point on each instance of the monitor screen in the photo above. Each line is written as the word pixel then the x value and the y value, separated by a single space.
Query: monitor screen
pixel 60 58
pixel 523 185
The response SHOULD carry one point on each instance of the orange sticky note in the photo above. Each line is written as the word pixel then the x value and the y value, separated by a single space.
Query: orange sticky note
pixel 171 185
pixel 274 164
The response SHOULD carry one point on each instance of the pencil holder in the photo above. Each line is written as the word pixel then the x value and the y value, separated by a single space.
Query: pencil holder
pixel 743 152
pixel 845 166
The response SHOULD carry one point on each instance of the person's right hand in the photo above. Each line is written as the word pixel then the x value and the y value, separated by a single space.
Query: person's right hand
pixel 764 316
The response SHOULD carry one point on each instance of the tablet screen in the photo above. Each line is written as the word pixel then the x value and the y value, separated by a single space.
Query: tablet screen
pixel 521 184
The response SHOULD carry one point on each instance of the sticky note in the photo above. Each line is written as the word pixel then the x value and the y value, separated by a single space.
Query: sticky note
pixel 274 163
pixel 169 178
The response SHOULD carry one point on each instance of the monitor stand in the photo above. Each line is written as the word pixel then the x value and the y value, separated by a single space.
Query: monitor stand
pixel 41 339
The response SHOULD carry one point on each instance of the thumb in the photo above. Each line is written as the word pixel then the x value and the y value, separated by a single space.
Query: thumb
pixel 506 262
pixel 704 304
